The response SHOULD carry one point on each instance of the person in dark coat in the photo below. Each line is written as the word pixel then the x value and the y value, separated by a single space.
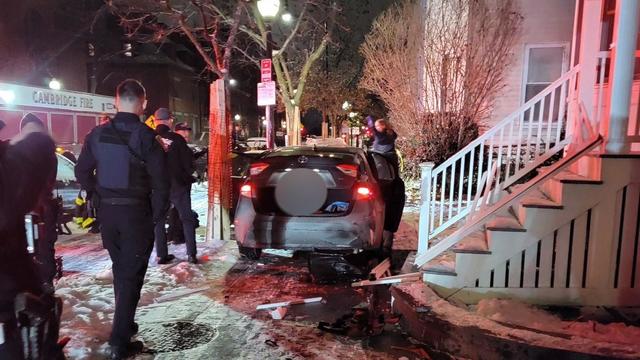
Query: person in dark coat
pixel 124 166
pixel 384 143
pixel 31 152
pixel 181 168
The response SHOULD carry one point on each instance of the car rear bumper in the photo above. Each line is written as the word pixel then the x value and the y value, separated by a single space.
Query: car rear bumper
pixel 357 230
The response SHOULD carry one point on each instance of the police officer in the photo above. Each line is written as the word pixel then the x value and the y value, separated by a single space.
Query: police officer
pixel 124 165
pixel 22 161
pixel 181 167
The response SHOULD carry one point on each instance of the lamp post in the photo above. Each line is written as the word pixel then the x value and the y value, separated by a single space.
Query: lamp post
pixel 269 10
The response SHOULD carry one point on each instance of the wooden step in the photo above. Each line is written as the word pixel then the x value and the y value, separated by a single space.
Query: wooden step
pixel 537 199
pixel 569 177
pixel 507 223
pixel 475 243
pixel 443 264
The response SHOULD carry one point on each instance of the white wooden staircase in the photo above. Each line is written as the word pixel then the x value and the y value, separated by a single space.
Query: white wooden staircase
pixel 556 238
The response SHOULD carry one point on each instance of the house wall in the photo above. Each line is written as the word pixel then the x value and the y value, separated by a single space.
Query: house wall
pixel 545 21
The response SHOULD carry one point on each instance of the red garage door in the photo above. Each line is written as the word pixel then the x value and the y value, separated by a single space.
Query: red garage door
pixel 11 119
pixel 85 125
pixel 62 128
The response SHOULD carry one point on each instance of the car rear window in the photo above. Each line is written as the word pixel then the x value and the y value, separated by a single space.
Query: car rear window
pixel 346 157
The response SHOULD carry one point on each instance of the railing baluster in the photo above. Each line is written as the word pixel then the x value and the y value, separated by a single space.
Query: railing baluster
pixel 452 185
pixel 561 112
pixel 489 162
pixel 519 147
pixel 480 163
pixel 434 190
pixel 599 100
pixel 539 134
pixel 509 155
pixel 460 184
pixel 552 104
pixel 499 163
pixel 529 131
pixel 470 178
pixel 442 186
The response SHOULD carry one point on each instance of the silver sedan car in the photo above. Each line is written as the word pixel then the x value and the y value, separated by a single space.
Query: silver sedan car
pixel 312 198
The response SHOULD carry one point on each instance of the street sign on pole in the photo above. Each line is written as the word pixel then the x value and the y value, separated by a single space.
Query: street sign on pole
pixel 265 70
pixel 266 93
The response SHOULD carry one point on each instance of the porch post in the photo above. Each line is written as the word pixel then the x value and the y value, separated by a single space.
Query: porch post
pixel 588 43
pixel 426 170
pixel 623 55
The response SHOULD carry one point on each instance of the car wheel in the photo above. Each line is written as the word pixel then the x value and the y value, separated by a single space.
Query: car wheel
pixel 250 253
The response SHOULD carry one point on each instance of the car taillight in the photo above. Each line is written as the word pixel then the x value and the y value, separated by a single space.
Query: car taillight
pixel 364 192
pixel 246 190
pixel 348 169
pixel 257 168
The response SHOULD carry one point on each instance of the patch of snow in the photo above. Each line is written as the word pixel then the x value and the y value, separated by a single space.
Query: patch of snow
pixel 587 337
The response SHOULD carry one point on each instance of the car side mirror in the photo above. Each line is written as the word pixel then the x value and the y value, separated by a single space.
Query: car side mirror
pixel 384 171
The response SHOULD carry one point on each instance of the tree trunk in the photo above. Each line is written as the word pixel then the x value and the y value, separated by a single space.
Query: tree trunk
pixel 293 125
pixel 219 167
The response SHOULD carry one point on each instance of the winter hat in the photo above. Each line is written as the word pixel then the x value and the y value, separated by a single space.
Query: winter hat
pixel 30 118
pixel 162 114
pixel 183 126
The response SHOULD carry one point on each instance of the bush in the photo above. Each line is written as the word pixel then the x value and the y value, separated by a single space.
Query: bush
pixel 441 136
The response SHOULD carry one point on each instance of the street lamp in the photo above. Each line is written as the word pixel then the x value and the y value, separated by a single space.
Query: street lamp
pixel 268 9
pixel 55 84
pixel 233 82
pixel 237 117
pixel 346 106
pixel 287 17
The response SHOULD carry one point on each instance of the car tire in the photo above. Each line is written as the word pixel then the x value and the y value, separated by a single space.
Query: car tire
pixel 250 253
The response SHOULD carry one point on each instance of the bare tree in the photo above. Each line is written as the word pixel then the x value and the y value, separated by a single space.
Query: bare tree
pixel 465 51
pixel 295 50
pixel 212 27
pixel 328 89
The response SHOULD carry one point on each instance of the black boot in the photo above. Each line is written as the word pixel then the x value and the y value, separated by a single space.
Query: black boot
pixel 126 351
pixel 166 259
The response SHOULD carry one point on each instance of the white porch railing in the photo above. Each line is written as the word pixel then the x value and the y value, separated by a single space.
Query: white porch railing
pixel 601 103
pixel 583 139
pixel 512 148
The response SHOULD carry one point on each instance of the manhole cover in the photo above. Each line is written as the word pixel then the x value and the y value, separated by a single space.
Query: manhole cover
pixel 177 336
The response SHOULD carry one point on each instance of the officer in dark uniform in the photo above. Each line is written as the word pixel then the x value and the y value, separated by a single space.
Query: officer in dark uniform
pixel 26 165
pixel 181 168
pixel 124 165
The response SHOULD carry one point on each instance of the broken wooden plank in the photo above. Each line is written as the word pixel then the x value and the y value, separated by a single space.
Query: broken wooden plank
pixel 288 303
pixel 380 270
pixel 402 276
pixel 387 281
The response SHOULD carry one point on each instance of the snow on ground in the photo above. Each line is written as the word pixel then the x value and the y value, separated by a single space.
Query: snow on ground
pixel 517 313
pixel 220 295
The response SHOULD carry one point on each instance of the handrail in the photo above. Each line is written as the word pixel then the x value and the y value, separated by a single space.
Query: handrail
pixel 516 145
pixel 524 107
